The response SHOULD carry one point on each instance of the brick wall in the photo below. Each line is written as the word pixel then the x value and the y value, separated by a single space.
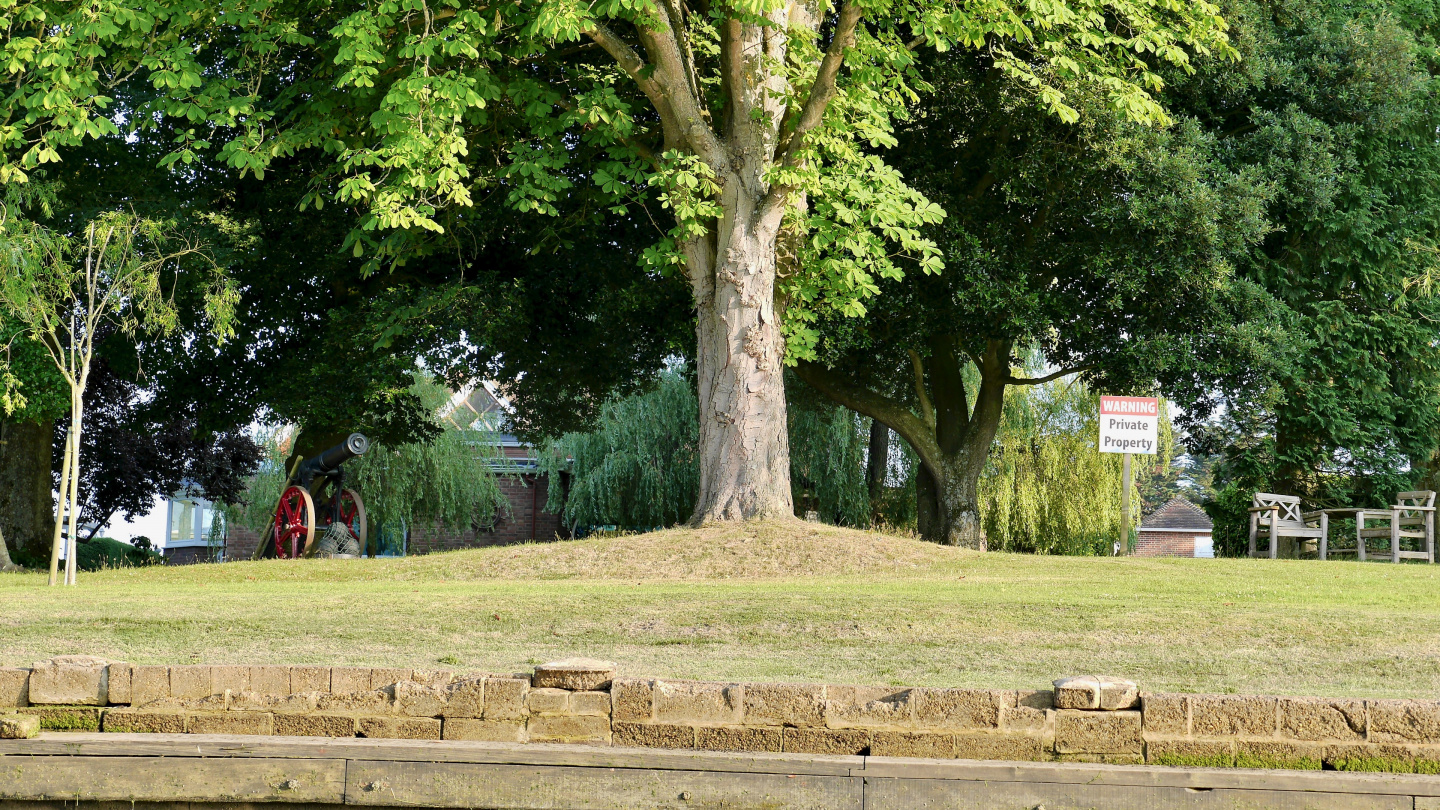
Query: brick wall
pixel 528 521
pixel 1092 719
pixel 1165 544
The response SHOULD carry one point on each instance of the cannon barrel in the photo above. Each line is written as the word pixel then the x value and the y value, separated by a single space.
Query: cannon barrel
pixel 354 445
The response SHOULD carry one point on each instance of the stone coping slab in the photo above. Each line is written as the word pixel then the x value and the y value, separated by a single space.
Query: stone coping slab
pixel 209 768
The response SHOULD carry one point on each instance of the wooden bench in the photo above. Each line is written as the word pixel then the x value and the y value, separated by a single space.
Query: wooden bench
pixel 1275 516
pixel 1412 517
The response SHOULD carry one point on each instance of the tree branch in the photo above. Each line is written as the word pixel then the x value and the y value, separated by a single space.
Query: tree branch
pixel 671 77
pixel 1011 380
pixel 844 391
pixel 927 410
pixel 813 112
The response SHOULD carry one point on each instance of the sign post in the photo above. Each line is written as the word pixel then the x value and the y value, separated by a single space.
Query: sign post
pixel 1128 425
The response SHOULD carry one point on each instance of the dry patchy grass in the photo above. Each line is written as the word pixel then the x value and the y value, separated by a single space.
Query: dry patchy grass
pixel 784 601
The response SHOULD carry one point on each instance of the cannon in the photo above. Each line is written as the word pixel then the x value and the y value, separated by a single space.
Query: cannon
pixel 340 513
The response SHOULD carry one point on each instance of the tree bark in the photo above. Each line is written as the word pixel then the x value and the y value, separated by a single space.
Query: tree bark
pixel 744 445
pixel 26 504
pixel 877 463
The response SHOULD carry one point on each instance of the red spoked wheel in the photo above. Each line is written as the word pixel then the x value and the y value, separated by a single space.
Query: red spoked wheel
pixel 294 524
pixel 352 514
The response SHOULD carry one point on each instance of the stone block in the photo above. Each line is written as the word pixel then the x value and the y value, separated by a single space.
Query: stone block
pixel 229 678
pixel 465 698
pixel 1322 719
pixel 548 701
pixel 309 679
pixel 1097 732
pixel 381 678
pixel 868 707
pixel 437 678
pixel 140 721
pixel 149 684
pixel 416 700
pixel 1035 698
pixel 1096 693
pixel 574 674
pixel 1229 715
pixel 251 701
pixel 399 728
pixel 911 744
pixel 695 702
pixel 568 729
pixel 117 676
pixel 738 739
pixel 1165 714
pixel 70 680
pixel 1279 754
pixel 1404 720
pixel 960 709
pixel 345 680
pixel 1003 745
pixel 14 687
pixel 314 725
pixel 632 701
pixel 825 741
pixel 1188 752
pixel 784 704
pixel 464 728
pixel 19 726
pixel 255 723
pixel 66 718
pixel 590 703
pixel 505 698
pixel 270 680
pixel 653 735
pixel 190 682
pixel 358 702
pixel 1022 718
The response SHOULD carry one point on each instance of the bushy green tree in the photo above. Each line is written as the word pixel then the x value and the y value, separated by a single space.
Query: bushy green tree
pixel 1335 106
pixel 744 120
pixel 1107 246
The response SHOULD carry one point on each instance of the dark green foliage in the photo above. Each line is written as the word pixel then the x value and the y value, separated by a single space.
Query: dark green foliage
pixel 1334 105
pixel 99 554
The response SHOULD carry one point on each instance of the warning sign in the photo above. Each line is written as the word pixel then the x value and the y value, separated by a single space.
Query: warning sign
pixel 1129 424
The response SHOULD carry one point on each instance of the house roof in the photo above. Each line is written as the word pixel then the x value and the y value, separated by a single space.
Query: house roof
pixel 1178 513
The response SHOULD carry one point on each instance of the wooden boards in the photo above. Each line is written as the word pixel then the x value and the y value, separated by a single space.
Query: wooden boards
pixel 188 771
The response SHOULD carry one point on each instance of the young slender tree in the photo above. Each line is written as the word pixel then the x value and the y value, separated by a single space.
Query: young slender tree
pixel 66 290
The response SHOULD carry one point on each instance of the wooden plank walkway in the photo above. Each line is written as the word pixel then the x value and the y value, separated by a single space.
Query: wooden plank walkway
pixel 186 771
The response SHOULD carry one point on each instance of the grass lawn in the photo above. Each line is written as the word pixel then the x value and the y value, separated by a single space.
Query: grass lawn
pixel 797 602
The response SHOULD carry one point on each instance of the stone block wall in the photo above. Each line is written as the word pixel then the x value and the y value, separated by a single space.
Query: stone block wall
pixel 1082 719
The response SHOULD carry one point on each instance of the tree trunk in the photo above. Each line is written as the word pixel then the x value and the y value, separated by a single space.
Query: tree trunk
pixel 877 465
pixel 6 564
pixel 744 444
pixel 26 453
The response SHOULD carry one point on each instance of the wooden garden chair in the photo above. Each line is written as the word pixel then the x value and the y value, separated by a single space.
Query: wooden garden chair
pixel 1412 517
pixel 1275 516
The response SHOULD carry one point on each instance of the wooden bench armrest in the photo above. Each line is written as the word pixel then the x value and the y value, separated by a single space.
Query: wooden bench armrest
pixel 1315 514
pixel 1413 508
pixel 1275 508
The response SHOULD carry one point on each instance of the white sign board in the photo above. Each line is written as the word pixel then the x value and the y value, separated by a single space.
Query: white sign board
pixel 1129 424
